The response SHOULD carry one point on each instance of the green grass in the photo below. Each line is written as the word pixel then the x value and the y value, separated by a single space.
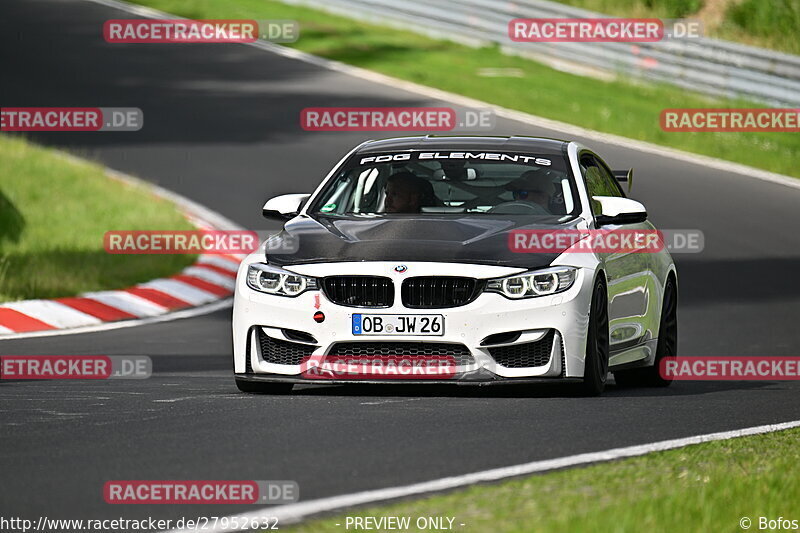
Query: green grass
pixel 771 24
pixel 53 215
pixel 620 107
pixel 707 487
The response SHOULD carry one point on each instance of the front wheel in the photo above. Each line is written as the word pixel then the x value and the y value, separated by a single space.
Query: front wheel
pixel 595 370
pixel 259 387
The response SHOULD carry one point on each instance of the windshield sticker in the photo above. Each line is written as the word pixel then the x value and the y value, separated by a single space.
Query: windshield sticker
pixel 484 156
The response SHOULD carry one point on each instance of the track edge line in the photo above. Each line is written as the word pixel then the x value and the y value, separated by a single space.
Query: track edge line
pixel 297 512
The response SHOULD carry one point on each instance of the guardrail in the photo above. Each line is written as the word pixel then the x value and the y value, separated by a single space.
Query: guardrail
pixel 706 65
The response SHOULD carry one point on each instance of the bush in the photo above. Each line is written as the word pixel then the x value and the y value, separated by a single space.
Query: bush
pixel 766 18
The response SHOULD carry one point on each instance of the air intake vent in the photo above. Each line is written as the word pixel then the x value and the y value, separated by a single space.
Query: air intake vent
pixel 438 292
pixel 525 355
pixel 359 291
pixel 282 352
pixel 404 349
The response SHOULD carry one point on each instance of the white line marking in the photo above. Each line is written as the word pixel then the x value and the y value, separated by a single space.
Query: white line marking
pixel 381 402
pixel 175 399
pixel 296 512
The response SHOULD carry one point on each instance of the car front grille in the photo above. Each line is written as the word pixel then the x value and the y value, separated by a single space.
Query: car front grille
pixel 437 292
pixel 282 352
pixel 359 291
pixel 526 354
pixel 459 352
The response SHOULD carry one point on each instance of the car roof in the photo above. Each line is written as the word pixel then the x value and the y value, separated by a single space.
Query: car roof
pixel 516 143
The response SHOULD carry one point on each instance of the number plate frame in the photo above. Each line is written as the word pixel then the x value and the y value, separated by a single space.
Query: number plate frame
pixel 393 320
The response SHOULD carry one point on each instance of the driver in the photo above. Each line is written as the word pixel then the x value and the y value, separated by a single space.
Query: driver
pixel 405 193
pixel 535 186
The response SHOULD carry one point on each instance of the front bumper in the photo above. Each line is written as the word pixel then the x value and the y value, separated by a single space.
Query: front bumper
pixel 561 320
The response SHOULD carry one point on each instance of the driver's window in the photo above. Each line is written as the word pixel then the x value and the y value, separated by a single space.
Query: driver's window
pixel 599 180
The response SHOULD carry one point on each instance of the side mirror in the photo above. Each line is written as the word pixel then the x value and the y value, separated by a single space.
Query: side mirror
pixel 617 211
pixel 624 176
pixel 285 206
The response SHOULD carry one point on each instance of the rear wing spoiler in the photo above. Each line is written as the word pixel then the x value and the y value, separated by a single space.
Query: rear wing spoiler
pixel 624 176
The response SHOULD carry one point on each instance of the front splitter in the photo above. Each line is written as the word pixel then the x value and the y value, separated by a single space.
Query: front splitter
pixel 462 381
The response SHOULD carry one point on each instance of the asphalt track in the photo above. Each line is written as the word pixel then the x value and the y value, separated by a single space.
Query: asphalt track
pixel 222 128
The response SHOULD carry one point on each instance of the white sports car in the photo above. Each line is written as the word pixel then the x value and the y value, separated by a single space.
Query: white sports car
pixel 444 259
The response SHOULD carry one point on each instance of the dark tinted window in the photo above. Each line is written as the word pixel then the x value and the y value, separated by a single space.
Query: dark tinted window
pixel 599 180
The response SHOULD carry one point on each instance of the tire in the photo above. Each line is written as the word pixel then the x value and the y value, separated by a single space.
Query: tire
pixel 595 371
pixel 667 346
pixel 257 387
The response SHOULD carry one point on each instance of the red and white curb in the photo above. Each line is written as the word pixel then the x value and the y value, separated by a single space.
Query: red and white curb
pixel 205 286
pixel 211 278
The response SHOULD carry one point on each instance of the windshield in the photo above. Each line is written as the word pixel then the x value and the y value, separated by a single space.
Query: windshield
pixel 502 183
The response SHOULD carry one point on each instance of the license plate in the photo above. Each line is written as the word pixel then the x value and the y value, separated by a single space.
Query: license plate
pixel 428 325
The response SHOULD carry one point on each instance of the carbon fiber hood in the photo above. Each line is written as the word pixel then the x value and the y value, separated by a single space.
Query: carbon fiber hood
pixel 481 239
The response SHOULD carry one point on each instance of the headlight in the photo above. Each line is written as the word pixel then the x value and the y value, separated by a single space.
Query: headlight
pixel 272 280
pixel 536 283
